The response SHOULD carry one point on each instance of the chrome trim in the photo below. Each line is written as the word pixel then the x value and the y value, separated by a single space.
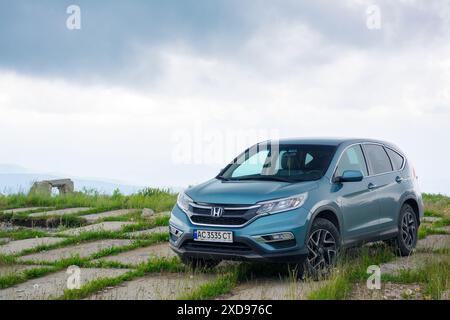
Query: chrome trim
pixel 367 164
pixel 225 208
pixel 260 238
pixel 225 225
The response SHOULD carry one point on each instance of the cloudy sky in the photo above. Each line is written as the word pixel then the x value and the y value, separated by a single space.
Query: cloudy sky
pixel 164 93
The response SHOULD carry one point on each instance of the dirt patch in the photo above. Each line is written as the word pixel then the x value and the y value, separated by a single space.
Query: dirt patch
pixel 273 289
pixel 154 287
pixel 388 291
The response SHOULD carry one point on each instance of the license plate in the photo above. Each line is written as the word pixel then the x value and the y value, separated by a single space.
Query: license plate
pixel 213 236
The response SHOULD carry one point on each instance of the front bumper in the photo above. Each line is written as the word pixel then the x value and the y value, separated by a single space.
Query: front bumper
pixel 244 246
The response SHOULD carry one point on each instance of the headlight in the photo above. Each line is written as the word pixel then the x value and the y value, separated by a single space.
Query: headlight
pixel 280 205
pixel 183 202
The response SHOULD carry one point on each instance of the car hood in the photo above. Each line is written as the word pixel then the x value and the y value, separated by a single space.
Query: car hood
pixel 246 192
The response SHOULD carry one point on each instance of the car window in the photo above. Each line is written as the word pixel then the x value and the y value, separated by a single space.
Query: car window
pixel 252 165
pixel 379 161
pixel 281 162
pixel 396 158
pixel 352 159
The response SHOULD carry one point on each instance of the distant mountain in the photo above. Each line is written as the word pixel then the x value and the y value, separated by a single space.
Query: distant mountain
pixel 14 179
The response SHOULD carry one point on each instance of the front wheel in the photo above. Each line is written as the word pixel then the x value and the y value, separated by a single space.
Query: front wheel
pixel 323 244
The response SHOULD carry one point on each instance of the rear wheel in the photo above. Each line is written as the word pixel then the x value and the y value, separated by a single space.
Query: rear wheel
pixel 407 236
pixel 323 244
pixel 199 263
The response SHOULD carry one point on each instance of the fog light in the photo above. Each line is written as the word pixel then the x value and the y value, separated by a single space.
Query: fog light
pixel 175 231
pixel 274 237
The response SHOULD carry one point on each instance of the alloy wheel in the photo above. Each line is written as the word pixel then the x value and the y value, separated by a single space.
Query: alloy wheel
pixel 409 233
pixel 322 250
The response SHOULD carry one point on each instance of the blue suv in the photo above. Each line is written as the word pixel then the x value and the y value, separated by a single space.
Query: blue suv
pixel 299 201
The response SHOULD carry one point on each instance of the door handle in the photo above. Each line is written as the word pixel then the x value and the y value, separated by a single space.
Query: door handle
pixel 398 179
pixel 371 186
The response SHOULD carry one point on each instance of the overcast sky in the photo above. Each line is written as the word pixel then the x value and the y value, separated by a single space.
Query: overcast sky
pixel 165 93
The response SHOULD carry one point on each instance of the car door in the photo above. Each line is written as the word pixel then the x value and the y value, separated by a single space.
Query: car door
pixel 387 180
pixel 358 202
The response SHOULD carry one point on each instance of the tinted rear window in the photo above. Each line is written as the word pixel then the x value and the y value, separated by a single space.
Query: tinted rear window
pixel 396 158
pixel 379 161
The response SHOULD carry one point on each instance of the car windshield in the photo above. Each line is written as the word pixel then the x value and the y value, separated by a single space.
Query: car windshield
pixel 280 162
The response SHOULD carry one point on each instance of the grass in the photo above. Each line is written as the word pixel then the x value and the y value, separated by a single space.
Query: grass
pixel 221 285
pixel 351 268
pixel 21 234
pixel 152 266
pixel 10 280
pixel 91 236
pixel 156 199
pixel 434 275
pixel 436 205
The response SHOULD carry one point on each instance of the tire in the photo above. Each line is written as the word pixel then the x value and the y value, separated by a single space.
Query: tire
pixel 199 263
pixel 406 240
pixel 323 243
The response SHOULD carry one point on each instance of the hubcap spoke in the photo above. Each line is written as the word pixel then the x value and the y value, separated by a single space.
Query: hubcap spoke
pixel 322 250
pixel 408 230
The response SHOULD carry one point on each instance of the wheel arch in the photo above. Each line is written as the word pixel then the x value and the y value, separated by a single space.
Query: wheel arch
pixel 415 206
pixel 327 212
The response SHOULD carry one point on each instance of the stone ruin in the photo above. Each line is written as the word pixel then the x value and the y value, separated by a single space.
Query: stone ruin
pixel 64 186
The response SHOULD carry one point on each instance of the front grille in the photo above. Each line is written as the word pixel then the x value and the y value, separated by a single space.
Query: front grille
pixel 222 221
pixel 216 247
pixel 207 211
pixel 232 215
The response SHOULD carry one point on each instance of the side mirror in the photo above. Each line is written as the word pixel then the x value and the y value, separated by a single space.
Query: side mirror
pixel 350 176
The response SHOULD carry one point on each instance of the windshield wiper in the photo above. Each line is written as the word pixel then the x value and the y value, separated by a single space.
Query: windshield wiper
pixel 266 178
pixel 222 178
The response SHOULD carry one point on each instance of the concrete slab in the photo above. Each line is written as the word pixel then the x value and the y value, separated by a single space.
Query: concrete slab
pixel 103 226
pixel 273 289
pixel 154 287
pixel 20 210
pixel 434 242
pixel 83 250
pixel 14 247
pixel 141 255
pixel 53 285
pixel 388 291
pixel 444 229
pixel 6 270
pixel 60 212
pixel 430 219
pixel 147 232
pixel 108 214
pixel 413 262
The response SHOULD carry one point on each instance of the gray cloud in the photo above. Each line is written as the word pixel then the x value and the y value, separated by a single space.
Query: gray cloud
pixel 123 41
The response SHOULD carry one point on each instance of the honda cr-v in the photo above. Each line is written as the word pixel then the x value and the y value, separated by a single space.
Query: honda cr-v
pixel 299 201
